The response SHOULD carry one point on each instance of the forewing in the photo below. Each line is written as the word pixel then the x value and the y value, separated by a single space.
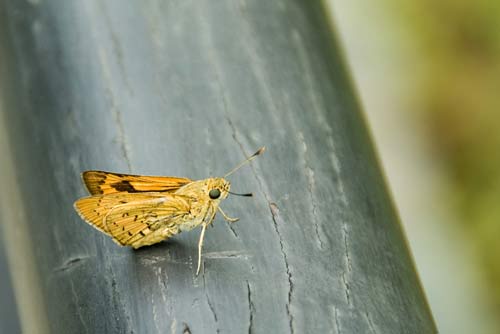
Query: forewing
pixel 105 183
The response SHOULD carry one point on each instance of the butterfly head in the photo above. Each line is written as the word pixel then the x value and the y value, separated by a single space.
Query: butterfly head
pixel 217 188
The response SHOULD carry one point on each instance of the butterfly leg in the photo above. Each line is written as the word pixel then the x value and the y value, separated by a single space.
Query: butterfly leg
pixel 200 246
pixel 229 219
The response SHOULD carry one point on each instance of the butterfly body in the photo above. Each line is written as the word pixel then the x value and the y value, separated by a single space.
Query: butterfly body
pixel 123 209
pixel 139 210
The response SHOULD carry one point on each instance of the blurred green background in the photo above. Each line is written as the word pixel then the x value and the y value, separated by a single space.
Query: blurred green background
pixel 428 76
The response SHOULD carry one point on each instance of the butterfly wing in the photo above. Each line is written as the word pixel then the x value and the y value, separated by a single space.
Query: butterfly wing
pixel 148 222
pixel 104 183
pixel 135 219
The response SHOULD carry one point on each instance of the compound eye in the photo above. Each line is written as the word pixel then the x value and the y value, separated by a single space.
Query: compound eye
pixel 214 193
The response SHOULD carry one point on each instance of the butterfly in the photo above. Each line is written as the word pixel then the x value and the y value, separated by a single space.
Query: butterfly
pixel 139 210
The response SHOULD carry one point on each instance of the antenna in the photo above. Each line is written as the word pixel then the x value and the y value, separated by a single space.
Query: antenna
pixel 245 195
pixel 253 156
